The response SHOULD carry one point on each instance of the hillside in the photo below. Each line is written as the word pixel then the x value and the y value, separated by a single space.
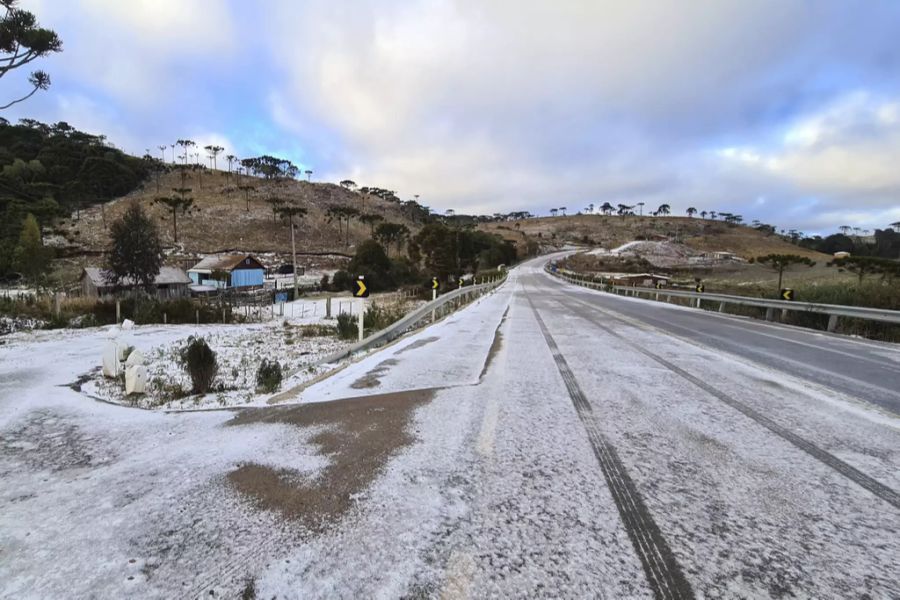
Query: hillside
pixel 223 219
pixel 612 231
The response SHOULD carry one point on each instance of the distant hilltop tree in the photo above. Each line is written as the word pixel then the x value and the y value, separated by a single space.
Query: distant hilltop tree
pixel 867 265
pixel 780 262
pixel 212 152
pixel 270 167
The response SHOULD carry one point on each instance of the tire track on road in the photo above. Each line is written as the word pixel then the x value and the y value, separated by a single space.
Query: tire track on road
pixel 867 482
pixel 663 572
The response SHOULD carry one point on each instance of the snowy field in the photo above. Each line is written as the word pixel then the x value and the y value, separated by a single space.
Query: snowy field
pixel 240 349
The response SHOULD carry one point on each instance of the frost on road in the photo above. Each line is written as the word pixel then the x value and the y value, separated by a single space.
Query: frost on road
pixel 543 441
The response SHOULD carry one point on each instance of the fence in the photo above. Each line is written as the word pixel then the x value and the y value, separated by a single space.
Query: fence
pixel 834 311
pixel 427 313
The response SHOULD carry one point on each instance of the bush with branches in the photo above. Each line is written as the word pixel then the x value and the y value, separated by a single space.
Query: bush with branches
pixel 199 360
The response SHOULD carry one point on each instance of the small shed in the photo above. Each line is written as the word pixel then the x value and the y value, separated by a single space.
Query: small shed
pixel 228 271
pixel 170 282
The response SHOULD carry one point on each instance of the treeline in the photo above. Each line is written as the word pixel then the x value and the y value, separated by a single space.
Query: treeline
pixel 52 171
pixel 884 244
pixel 437 250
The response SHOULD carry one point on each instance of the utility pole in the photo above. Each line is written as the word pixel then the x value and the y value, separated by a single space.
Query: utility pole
pixel 294 267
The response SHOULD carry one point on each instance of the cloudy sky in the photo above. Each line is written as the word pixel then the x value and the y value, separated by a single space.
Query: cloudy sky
pixel 783 111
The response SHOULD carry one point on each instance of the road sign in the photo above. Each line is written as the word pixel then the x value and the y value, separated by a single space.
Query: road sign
pixel 461 282
pixel 435 284
pixel 787 294
pixel 659 285
pixel 361 290
pixel 699 289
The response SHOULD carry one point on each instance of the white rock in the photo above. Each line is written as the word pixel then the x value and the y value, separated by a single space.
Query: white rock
pixel 135 379
pixel 135 358
pixel 111 359
pixel 127 324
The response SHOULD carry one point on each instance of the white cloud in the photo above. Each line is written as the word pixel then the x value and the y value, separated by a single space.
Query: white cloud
pixel 844 152
pixel 501 105
pixel 505 105
pixel 136 51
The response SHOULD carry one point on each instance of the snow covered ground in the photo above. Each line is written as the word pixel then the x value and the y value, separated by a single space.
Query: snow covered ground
pixel 240 349
pixel 658 253
pixel 454 463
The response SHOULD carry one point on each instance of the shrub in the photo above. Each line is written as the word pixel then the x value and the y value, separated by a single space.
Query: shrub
pixel 317 330
pixel 377 317
pixel 342 281
pixel 346 326
pixel 371 262
pixel 269 376
pixel 199 360
pixel 323 283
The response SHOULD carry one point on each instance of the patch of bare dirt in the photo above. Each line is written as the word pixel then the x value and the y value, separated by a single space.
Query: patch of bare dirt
pixel 372 378
pixel 360 435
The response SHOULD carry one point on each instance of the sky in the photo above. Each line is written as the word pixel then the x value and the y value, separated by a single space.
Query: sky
pixel 785 111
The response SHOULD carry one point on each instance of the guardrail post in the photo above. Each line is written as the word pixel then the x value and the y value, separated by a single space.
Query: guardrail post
pixel 832 323
pixel 721 307
pixel 770 314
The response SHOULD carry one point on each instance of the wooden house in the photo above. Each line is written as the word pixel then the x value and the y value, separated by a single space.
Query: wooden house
pixel 228 271
pixel 171 282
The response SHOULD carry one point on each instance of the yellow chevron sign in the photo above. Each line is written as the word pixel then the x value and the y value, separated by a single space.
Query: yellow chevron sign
pixel 699 289
pixel 362 291
pixel 787 294
pixel 435 284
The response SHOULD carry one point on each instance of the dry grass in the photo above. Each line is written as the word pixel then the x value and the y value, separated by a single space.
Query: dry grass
pixel 612 231
pixel 223 222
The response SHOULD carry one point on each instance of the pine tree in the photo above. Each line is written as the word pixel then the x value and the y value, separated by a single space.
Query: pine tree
pixel 136 251
pixel 32 258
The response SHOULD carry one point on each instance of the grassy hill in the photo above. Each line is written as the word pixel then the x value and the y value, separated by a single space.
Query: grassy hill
pixel 611 231
pixel 225 220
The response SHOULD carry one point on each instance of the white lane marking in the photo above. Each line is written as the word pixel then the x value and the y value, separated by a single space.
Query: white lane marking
pixel 459 574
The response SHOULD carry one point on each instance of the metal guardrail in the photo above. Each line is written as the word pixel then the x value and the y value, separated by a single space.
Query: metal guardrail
pixel 426 311
pixel 834 311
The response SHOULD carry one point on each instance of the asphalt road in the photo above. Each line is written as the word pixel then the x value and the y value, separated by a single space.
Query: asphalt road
pixel 869 371
pixel 545 441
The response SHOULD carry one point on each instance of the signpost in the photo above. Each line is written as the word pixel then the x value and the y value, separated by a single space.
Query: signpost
pixel 435 286
pixel 362 292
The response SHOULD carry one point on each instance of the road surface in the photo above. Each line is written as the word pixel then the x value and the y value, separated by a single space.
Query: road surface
pixel 545 441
